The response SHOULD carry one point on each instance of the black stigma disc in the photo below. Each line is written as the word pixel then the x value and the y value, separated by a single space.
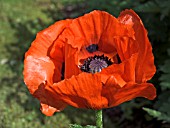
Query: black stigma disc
pixel 95 64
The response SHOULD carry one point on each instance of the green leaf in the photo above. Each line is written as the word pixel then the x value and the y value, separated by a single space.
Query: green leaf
pixel 157 114
pixel 90 126
pixel 165 68
pixel 162 98
pixel 79 126
pixel 75 126
pixel 164 5
pixel 150 7
pixel 165 77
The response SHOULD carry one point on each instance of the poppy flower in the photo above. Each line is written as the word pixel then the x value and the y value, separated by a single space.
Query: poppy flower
pixel 94 61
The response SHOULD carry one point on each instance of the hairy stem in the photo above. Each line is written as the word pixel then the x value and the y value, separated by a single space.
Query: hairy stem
pixel 99 121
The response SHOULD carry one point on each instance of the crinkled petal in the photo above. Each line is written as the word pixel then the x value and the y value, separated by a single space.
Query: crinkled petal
pixel 116 95
pixel 65 42
pixel 82 91
pixel 145 67
pixel 71 68
pixel 47 110
pixel 37 71
pixel 39 67
pixel 45 39
pixel 97 27
pixel 125 47
pixel 49 104
pixel 123 72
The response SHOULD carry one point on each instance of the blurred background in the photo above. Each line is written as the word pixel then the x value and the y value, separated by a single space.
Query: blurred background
pixel 20 20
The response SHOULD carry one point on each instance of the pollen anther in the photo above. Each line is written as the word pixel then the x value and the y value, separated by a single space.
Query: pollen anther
pixel 95 64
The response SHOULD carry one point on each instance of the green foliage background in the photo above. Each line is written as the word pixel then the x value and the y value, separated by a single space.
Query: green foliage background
pixel 20 20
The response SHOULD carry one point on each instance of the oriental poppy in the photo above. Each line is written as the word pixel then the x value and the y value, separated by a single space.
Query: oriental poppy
pixel 94 61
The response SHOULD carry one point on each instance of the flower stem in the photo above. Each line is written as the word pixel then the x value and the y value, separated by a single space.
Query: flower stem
pixel 99 121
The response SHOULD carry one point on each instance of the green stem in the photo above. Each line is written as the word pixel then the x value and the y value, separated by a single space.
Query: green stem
pixel 99 121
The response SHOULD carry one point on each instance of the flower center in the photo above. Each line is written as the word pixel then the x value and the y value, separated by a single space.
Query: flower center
pixel 95 64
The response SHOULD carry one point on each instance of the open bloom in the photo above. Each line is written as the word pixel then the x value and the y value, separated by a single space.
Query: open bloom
pixel 95 61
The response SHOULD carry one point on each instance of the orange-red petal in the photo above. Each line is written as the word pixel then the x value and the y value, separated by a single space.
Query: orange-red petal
pixel 116 96
pixel 82 91
pixel 87 91
pixel 97 27
pixel 145 67
pixel 39 67
pixel 123 72
pixel 47 110
pixel 66 42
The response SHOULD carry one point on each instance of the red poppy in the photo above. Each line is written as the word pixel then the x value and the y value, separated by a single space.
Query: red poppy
pixel 105 61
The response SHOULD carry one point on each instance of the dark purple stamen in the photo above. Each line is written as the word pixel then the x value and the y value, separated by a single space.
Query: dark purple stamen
pixel 92 48
pixel 95 64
